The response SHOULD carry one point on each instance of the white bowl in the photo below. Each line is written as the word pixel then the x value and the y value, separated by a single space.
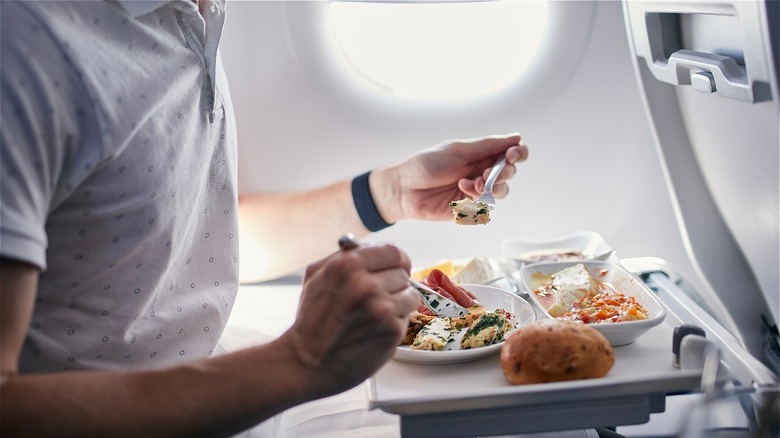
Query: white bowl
pixel 580 245
pixel 535 275
pixel 492 298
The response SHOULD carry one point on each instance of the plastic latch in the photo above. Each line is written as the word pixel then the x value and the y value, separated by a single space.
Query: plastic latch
pixel 703 82
pixel 679 333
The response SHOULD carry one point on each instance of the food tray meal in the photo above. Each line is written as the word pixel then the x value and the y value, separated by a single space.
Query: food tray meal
pixel 403 388
pixel 448 400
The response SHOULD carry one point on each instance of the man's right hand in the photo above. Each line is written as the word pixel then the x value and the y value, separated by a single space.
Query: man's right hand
pixel 352 315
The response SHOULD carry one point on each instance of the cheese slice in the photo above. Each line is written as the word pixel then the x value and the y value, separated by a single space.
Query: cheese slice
pixel 477 270
pixel 445 266
pixel 569 285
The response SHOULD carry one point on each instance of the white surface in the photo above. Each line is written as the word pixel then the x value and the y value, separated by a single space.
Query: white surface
pixel 619 333
pixel 492 298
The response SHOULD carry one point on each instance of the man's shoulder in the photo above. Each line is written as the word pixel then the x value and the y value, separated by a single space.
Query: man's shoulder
pixel 33 27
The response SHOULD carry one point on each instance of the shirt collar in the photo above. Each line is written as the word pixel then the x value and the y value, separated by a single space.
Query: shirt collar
pixel 136 8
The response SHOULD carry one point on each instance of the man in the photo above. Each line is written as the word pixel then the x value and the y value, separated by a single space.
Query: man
pixel 119 256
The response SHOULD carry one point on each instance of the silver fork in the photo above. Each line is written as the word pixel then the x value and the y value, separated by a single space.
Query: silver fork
pixel 435 302
pixel 487 194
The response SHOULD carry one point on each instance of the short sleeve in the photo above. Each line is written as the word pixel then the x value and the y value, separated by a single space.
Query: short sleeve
pixel 40 107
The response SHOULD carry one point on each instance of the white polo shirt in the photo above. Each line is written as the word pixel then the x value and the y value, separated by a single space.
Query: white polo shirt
pixel 118 172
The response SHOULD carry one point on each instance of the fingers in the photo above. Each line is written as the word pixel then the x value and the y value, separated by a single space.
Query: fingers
pixel 511 145
pixel 356 304
pixel 406 301
pixel 371 257
pixel 506 173
pixel 388 267
pixel 366 271
pixel 500 187
pixel 379 257
pixel 496 143
pixel 517 154
pixel 468 186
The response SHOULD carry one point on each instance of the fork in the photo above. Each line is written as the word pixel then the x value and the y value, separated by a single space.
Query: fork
pixel 487 194
pixel 432 300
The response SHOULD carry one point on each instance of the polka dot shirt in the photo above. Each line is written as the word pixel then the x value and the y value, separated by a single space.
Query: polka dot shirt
pixel 119 180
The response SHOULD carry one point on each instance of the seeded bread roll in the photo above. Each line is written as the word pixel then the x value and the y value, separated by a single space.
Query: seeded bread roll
pixel 553 350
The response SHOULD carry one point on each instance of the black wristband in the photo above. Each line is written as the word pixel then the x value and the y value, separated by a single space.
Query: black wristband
pixel 364 204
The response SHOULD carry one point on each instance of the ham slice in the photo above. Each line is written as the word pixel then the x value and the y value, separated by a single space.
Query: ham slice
pixel 441 283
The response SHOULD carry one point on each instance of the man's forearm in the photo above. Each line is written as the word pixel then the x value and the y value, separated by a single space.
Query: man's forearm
pixel 215 397
pixel 281 233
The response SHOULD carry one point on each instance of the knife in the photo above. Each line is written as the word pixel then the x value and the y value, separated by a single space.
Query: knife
pixel 432 300
pixel 437 303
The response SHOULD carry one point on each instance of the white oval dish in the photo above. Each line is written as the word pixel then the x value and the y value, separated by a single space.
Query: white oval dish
pixel 490 297
pixel 589 244
pixel 534 276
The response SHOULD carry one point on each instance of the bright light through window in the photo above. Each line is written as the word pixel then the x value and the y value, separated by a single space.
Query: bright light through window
pixel 440 51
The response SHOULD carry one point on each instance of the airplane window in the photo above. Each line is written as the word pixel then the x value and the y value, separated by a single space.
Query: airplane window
pixel 441 62
pixel 439 50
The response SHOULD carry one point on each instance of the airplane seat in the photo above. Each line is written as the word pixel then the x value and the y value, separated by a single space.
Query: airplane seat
pixel 709 79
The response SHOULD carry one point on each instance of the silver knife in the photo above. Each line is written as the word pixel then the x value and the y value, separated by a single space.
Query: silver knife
pixel 437 303
pixel 432 300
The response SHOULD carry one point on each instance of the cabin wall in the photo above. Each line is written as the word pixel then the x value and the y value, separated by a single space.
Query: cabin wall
pixel 592 161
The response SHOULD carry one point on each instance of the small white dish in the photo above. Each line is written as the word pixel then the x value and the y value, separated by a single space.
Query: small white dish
pixel 580 245
pixel 471 270
pixel 534 276
pixel 492 298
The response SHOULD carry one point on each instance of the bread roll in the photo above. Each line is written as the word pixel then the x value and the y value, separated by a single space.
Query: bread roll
pixel 552 350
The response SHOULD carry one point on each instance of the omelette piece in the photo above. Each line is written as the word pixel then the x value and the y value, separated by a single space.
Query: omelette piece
pixel 467 320
pixel 569 285
pixel 417 321
pixel 434 336
pixel 468 212
pixel 488 329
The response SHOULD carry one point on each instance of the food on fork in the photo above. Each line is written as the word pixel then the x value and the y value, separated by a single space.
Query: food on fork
pixel 470 212
pixel 552 350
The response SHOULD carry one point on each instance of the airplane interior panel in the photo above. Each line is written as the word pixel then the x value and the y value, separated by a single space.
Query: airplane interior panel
pixel 592 166
pixel 626 286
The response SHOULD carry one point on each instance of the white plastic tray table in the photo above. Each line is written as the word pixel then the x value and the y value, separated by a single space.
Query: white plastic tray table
pixel 474 398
